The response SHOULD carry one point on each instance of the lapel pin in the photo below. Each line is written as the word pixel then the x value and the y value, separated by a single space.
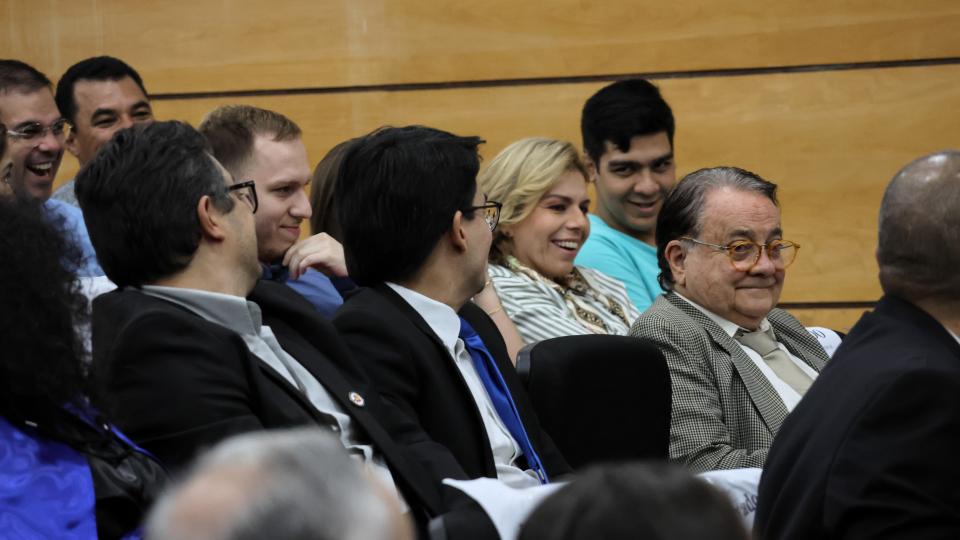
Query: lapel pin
pixel 356 399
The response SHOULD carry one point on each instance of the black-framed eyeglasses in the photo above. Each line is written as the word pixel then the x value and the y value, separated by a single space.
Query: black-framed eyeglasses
pixel 35 130
pixel 744 254
pixel 246 192
pixel 491 212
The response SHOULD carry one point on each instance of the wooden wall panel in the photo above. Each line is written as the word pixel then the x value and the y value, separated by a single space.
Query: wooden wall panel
pixel 831 140
pixel 196 46
pixel 840 320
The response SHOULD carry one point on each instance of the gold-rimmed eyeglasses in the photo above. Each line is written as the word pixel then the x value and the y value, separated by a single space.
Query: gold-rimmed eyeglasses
pixel 744 254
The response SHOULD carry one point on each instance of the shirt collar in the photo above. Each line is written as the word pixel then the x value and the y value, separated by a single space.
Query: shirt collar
pixel 730 328
pixel 441 318
pixel 233 312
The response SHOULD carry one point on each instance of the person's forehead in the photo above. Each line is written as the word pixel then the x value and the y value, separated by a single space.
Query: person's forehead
pixel 90 94
pixel 570 184
pixel 286 160
pixel 729 211
pixel 642 147
pixel 17 108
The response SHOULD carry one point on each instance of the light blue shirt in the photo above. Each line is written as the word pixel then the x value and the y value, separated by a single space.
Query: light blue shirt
pixel 70 220
pixel 624 257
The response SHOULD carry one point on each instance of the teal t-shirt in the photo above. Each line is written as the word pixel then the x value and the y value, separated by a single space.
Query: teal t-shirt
pixel 624 257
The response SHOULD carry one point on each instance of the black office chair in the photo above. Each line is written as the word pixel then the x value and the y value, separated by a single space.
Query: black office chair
pixel 601 398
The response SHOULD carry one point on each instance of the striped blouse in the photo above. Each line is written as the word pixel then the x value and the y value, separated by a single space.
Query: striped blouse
pixel 541 313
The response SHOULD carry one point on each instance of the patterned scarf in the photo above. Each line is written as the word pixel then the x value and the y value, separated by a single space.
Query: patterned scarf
pixel 574 289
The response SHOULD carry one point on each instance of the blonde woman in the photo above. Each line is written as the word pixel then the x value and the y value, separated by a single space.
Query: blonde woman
pixel 542 185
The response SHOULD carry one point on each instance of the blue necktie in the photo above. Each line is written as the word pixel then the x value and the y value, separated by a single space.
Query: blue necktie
pixel 500 396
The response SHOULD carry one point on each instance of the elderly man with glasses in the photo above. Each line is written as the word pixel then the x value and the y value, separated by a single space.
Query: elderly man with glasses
pixel 738 364
pixel 35 138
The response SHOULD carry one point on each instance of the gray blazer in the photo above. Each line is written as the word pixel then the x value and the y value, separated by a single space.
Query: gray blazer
pixel 725 413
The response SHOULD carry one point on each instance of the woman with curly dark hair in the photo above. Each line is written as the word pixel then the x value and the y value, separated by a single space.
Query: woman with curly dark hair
pixel 64 471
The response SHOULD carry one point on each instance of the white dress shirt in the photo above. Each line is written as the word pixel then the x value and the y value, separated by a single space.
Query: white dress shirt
pixel 787 394
pixel 445 323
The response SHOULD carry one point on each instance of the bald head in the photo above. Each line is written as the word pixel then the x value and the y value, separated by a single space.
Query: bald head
pixel 919 244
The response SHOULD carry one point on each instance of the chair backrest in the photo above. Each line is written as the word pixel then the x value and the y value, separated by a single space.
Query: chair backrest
pixel 601 398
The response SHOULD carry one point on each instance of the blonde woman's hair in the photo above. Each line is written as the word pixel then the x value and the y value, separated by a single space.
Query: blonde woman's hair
pixel 519 176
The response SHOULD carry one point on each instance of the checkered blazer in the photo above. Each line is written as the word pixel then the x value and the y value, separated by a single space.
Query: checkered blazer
pixel 725 412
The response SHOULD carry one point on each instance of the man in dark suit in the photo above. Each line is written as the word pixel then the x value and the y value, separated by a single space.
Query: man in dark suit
pixel 417 232
pixel 184 356
pixel 871 451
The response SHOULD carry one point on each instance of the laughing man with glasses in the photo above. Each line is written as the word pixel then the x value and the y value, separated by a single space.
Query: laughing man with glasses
pixel 35 139
pixel 738 364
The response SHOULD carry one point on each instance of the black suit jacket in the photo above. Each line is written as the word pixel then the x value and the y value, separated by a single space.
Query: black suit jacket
pixel 414 372
pixel 180 383
pixel 871 450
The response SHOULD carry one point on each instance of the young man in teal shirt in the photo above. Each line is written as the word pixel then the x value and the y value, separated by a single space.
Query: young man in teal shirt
pixel 627 130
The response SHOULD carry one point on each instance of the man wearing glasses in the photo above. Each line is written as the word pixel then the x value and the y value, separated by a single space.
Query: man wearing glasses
pixel 738 364
pixel 194 347
pixel 267 147
pixel 416 234
pixel 35 136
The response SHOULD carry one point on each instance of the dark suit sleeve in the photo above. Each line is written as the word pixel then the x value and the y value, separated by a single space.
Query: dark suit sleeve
pixel 385 357
pixel 177 387
pixel 894 474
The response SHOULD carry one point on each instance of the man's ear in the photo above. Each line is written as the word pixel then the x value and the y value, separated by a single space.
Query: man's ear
pixel 457 234
pixel 592 168
pixel 211 219
pixel 676 257
pixel 71 141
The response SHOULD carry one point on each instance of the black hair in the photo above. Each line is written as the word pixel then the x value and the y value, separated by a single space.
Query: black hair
pixel 41 353
pixel 681 211
pixel 620 111
pixel 22 77
pixel 396 195
pixel 98 68
pixel 655 501
pixel 139 199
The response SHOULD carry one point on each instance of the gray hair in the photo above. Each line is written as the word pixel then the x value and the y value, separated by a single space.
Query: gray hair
pixel 284 485
pixel 919 230
pixel 681 211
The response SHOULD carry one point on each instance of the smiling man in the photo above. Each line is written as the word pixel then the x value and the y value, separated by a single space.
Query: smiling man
pixel 627 130
pixel 267 147
pixel 35 139
pixel 738 364
pixel 98 96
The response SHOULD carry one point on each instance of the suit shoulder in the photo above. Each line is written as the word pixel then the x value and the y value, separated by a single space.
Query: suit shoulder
pixel 666 317
pixel 667 325
pixel 783 317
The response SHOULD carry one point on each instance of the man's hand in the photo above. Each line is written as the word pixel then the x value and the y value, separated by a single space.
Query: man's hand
pixel 320 252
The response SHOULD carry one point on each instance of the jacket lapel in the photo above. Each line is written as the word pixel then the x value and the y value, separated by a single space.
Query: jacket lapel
pixel 797 339
pixel 764 397
pixel 411 314
pixel 330 374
